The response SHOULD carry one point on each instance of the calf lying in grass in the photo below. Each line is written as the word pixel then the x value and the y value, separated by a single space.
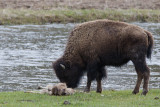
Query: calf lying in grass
pixel 59 89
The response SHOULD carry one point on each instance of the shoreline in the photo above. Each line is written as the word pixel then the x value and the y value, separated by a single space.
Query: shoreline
pixel 27 16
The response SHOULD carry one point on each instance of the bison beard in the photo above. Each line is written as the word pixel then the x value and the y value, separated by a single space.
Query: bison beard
pixel 96 44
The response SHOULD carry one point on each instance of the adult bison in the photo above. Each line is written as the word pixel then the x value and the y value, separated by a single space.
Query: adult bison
pixel 95 44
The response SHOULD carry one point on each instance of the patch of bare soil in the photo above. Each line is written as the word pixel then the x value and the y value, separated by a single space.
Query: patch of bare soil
pixel 81 4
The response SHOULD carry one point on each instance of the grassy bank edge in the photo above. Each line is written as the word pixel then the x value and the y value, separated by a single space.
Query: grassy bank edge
pixel 107 98
pixel 27 16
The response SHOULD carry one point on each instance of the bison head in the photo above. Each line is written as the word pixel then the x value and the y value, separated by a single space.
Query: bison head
pixel 67 73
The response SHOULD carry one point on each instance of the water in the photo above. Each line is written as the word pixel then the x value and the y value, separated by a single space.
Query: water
pixel 27 51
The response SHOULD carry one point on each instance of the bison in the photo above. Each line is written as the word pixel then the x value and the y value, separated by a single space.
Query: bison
pixel 95 44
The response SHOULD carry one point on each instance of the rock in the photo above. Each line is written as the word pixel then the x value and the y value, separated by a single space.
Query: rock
pixel 102 95
pixel 156 98
pixel 66 102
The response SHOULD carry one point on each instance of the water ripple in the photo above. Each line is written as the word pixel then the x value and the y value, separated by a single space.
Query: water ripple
pixel 27 52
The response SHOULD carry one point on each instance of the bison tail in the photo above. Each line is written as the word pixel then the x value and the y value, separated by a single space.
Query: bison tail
pixel 150 44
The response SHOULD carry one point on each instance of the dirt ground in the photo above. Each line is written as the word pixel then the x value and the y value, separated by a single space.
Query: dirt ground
pixel 80 4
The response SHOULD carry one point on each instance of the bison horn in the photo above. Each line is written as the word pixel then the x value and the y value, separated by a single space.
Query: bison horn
pixel 62 66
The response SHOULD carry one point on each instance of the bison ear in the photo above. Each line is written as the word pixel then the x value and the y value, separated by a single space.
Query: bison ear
pixel 62 66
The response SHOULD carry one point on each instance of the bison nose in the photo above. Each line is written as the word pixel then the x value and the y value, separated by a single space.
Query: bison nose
pixel 71 85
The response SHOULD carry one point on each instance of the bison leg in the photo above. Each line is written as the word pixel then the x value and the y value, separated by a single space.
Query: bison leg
pixel 139 80
pixel 92 69
pixel 146 81
pixel 100 75
pixel 87 89
pixel 99 86
pixel 143 72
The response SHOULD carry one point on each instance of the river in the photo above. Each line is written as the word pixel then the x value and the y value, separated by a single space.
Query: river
pixel 27 52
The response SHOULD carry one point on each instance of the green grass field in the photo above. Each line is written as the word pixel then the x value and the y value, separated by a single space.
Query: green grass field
pixel 92 99
pixel 27 16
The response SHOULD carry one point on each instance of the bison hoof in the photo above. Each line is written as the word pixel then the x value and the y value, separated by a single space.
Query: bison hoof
pixel 86 90
pixel 135 92
pixel 99 91
pixel 144 92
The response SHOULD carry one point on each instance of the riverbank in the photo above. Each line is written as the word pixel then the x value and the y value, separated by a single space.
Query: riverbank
pixel 28 16
pixel 80 4
pixel 107 98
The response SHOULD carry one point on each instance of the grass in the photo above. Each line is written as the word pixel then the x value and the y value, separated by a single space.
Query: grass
pixel 27 16
pixel 93 99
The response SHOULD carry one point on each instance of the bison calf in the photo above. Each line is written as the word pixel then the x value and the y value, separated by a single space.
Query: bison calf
pixel 96 44
pixel 59 89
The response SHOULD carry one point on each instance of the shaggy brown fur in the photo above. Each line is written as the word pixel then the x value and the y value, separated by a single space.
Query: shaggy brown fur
pixel 61 89
pixel 95 44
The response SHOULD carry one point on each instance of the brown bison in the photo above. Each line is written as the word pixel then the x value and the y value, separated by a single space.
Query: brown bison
pixel 95 44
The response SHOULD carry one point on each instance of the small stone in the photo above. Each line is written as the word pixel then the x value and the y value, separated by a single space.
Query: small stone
pixel 102 95
pixel 66 102
pixel 156 98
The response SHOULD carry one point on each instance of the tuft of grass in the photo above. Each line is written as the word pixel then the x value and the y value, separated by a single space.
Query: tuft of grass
pixel 92 99
pixel 27 16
